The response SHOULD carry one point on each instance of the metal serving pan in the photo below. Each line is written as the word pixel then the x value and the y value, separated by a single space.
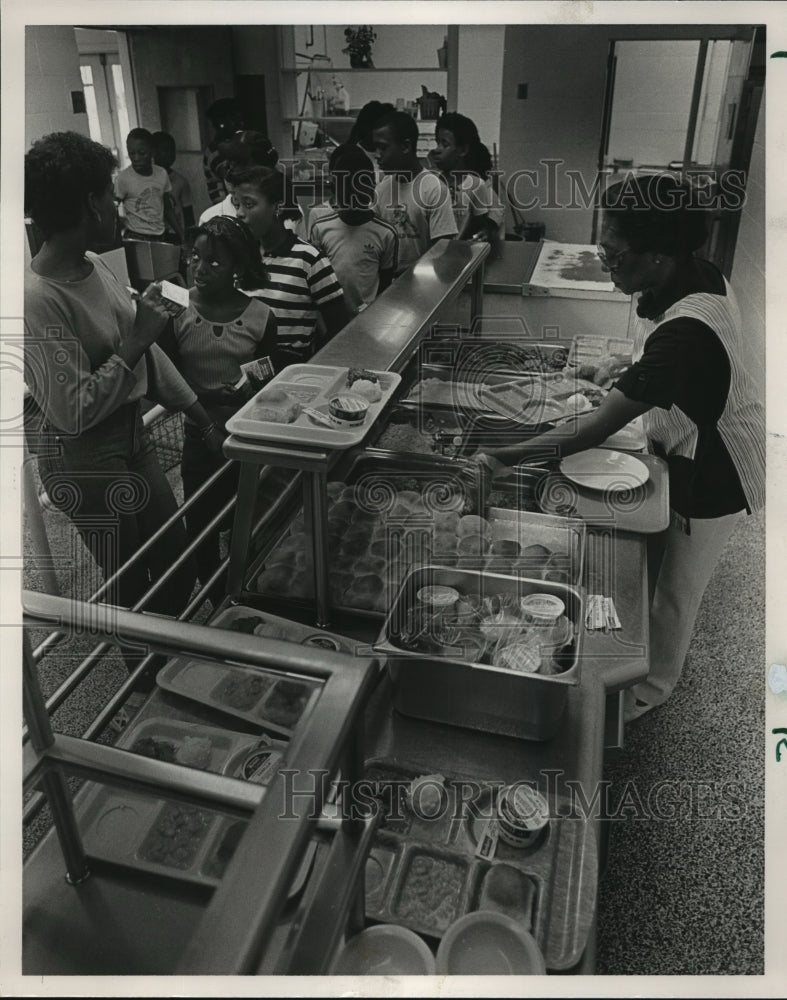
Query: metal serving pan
pixel 459 692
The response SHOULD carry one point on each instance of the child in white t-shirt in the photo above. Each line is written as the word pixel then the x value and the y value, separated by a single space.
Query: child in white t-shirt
pixel 416 202
pixel 465 162
pixel 145 192
pixel 362 247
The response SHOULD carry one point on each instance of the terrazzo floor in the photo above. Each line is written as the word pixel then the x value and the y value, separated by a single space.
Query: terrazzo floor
pixel 682 894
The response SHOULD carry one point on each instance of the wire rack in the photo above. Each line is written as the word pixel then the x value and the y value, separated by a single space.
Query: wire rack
pixel 166 429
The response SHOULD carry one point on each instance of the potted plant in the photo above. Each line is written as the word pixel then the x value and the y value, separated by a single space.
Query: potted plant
pixel 359 46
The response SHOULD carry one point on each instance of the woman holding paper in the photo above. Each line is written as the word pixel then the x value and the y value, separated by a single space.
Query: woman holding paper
pixel 91 356
pixel 222 332
pixel 701 411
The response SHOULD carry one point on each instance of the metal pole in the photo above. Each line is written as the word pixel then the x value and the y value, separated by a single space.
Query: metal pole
pixel 42 553
pixel 316 505
pixel 54 785
pixel 477 297
pixel 241 529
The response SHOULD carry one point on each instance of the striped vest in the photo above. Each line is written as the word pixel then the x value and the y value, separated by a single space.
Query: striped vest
pixel 742 422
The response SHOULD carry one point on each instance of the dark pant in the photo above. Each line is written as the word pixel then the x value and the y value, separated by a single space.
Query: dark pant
pixel 197 465
pixel 110 484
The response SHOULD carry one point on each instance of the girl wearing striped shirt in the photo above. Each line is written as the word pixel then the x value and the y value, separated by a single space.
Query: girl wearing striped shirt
pixel 700 406
pixel 221 329
pixel 301 286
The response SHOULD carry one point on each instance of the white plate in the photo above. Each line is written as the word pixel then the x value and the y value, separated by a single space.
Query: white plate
pixel 603 469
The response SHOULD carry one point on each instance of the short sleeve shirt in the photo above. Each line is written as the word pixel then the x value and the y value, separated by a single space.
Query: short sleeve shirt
pixel 419 210
pixel 358 254
pixel 685 364
pixel 143 199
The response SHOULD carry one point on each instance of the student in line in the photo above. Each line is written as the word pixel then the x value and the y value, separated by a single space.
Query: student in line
pixel 301 286
pixel 226 117
pixel 416 202
pixel 91 356
pixel 221 329
pixel 465 162
pixel 145 192
pixel 362 247
pixel 164 154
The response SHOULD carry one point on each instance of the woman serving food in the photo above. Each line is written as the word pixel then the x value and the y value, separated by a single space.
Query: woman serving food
pixel 700 407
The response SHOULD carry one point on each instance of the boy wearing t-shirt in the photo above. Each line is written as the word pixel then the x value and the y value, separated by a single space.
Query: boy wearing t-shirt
pixel 362 247
pixel 145 192
pixel 416 202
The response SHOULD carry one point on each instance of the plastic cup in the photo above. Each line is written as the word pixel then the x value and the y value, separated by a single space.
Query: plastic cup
pixel 384 950
pixel 485 943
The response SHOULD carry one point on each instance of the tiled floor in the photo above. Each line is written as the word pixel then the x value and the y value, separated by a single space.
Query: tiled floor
pixel 684 895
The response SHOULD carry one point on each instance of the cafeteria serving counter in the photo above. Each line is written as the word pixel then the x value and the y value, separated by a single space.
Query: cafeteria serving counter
pixel 121 921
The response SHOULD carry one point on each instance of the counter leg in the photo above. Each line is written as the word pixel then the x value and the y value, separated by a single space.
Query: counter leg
pixel 477 299
pixel 53 782
pixel 315 509
pixel 241 528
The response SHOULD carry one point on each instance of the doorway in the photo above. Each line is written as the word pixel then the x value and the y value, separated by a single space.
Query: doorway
pixel 680 105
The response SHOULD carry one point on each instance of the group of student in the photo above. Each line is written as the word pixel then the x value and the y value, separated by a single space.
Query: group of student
pixel 266 281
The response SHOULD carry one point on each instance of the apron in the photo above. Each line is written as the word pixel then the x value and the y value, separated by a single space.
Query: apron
pixel 742 422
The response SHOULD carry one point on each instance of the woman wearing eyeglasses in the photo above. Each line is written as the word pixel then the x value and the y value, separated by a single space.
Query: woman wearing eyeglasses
pixel 700 406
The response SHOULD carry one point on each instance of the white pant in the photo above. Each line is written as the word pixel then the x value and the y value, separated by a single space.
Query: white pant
pixel 686 568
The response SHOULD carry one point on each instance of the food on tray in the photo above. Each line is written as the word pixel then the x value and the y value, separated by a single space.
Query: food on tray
pixel 520 656
pixel 349 408
pixel 276 406
pixel 508 547
pixel 275 580
pixel 431 892
pixel 271 630
pixel 195 751
pixel 241 690
pixel 406 438
pixel 523 815
pixel 536 552
pixel 472 545
pixel 176 836
pixel 247 624
pixel 217 865
pixel 472 524
pixel 361 375
pixel 508 890
pixel 148 746
pixel 369 390
pixel 426 795
pixel 285 706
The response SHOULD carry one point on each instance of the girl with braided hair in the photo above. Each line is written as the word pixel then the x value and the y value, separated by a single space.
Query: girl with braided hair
pixel 222 329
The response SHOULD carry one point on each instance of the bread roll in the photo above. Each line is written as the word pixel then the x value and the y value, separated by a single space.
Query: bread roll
pixel 508 547
pixel 447 520
pixel 472 524
pixel 471 545
pixel 275 406
pixel 274 580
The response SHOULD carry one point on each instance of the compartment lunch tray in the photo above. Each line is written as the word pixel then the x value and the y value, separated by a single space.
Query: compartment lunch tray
pixel 410 856
pixel 151 834
pixel 313 386
pixel 224 744
pixel 274 701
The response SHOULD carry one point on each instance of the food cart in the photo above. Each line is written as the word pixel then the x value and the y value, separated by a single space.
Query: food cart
pixel 281 893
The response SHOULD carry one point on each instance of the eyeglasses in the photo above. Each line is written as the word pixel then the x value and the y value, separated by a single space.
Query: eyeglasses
pixel 611 261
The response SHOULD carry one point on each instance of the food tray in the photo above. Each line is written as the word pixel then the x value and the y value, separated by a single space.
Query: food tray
pixel 224 744
pixel 262 697
pixel 537 400
pixel 282 628
pixel 560 869
pixel 644 510
pixel 588 350
pixel 120 827
pixel 314 386
pixel 442 687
